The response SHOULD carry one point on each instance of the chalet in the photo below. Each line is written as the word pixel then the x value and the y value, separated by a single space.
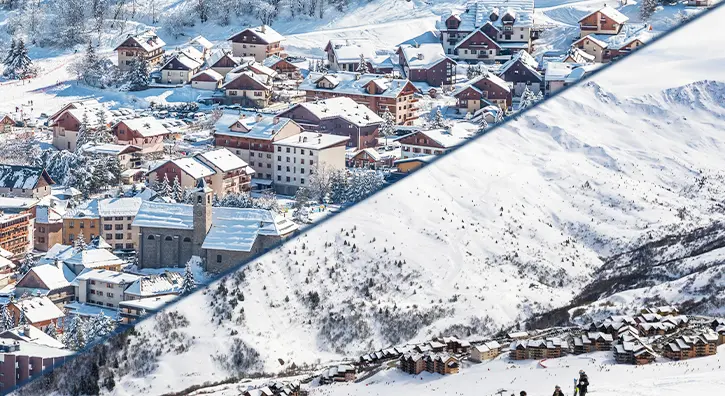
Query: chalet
pixel 341 373
pixel 488 30
pixel 365 158
pixel 52 280
pixel 605 48
pixel 345 54
pixel 259 42
pixel 578 56
pixel 256 68
pixel 128 156
pixel 687 347
pixel 222 61
pixel 299 156
pixel 16 233
pixel 432 142
pixel 170 233
pixel 427 63
pixel 101 287
pixel 252 139
pixel 378 92
pixel 39 312
pixel 6 123
pixel 66 123
pixel 283 67
pixel 522 72
pixel 648 318
pixel 484 90
pixel 48 229
pixel 201 45
pixel 339 116
pixel 248 89
pixel 665 310
pixel 220 169
pixel 538 349
pixel 146 45
pixel 180 68
pixel 633 352
pixel 605 20
pixel 24 181
pixel 592 342
pixel 207 80
pixel 145 132
pixel 485 351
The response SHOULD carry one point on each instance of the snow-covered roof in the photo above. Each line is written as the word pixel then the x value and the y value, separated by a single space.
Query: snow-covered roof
pixel 349 50
pixel 147 40
pixel 262 127
pixel 158 284
pixel 90 110
pixel 629 33
pixel 371 152
pixel 51 214
pixel 255 67
pixel 236 229
pixel 107 276
pixel 52 275
pixel 261 79
pixel 108 148
pixel 216 55
pixel 150 304
pixel 558 71
pixel 165 215
pixel 265 33
pixel 146 126
pixel 93 258
pixel 478 13
pixel 610 13
pixel 39 309
pixel 31 334
pixel 119 206
pixel 57 251
pixel 202 41
pixel 85 210
pixel 345 108
pixel 193 167
pixel 494 79
pixel 525 59
pixel 447 137
pixel 222 159
pixel 313 140
pixel 423 56
pixel 208 72
pixel 22 177
pixel 270 61
pixel 188 58
pixel 355 84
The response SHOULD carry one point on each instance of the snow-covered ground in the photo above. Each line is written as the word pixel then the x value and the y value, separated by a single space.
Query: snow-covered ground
pixel 514 223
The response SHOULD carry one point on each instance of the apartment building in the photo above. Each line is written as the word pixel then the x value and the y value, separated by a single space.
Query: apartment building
pixel 117 215
pixel 299 156
pixel 16 233
pixel 83 219
pixel 259 42
pixel 102 287
pixel 145 132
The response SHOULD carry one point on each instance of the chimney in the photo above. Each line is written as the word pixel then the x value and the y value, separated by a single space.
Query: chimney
pixel 264 28
pixel 420 56
pixel 259 117
pixel 275 120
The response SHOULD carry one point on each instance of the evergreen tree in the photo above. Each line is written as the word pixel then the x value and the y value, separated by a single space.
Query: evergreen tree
pixel 6 319
pixel 177 192
pixel 647 8
pixel 438 121
pixel 26 263
pixel 338 186
pixel 79 244
pixel 10 55
pixel 51 330
pixel 188 285
pixel 99 327
pixel 483 124
pixel 388 126
pixel 19 65
pixel 85 133
pixel 165 189
pixel 528 98
pixel 138 76
pixel 362 67
pixel 92 71
pixel 22 319
pixel 74 336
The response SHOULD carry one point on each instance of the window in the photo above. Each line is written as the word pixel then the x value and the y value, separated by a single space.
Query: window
pixel 288 150
pixel 128 226
pixel 107 227
pixel 168 238
pixel 269 156
pixel 93 225
pixel 109 305
pixel 187 239
pixel 302 161
pixel 151 238
pixel 287 159
pixel 118 246
pixel 218 258
pixel 93 292
pixel 279 178
pixel 302 170
pixel 279 149
pixel 312 162
pixel 129 246
pixel 269 166
pixel 109 236
pixel 93 282
pixel 279 158
pixel 279 167
pixel 83 224
pixel 119 236
pixel 302 181
pixel 302 151
pixel 311 152
pixel 118 218
pixel 287 178
pixel 288 169
pixel 118 227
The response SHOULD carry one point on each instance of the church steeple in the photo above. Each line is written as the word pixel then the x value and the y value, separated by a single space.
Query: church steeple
pixel 202 197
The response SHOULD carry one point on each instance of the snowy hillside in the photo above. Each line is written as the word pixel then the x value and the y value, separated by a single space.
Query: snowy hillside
pixel 513 224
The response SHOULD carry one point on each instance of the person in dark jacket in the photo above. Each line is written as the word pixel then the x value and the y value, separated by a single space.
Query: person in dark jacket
pixel 523 393
pixel 583 383
pixel 557 391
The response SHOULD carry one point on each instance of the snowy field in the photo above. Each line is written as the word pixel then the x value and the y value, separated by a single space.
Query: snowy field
pixel 512 224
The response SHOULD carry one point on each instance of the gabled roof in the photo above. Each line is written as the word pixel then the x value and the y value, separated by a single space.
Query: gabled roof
pixel 93 258
pixel 313 140
pixel 202 41
pixel 261 80
pixel 146 126
pixel 85 210
pixel 525 59
pixel 266 34
pixel 446 138
pixel 107 276
pixel 423 56
pixel 610 13
pixel 263 127
pixel 147 40
pixel 349 50
pixel 355 84
pixel 478 12
pixel 222 159
pixel 109 148
pixel 193 167
pixel 153 285
pixel 473 33
pixel 342 107
pixel 53 276
pixel 186 59
pixel 208 72
pixel 220 54
pixel 38 309
pixel 119 206
pixel 494 79
pixel 629 33
pixel 23 177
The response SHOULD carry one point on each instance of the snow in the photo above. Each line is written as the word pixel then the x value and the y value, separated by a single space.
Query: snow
pixel 17 203
pixel 108 276
pixel 151 285
pixel 223 159
pixel 31 334
pixel 345 108
pixel 264 32
pixel 33 349
pixel 164 215
pixel 150 304
pixel 312 140
pixel 448 138
pixel 609 12
pixel 39 309
pixel 208 72
pixel 349 83
pixel 350 50
pixel 147 40
pixel 21 177
pixel 93 258
pixel 263 127
pixel 119 207
pixel 146 126
pixel 52 276
pixel 106 148
pixel 629 33
pixel 85 310
pixel 237 229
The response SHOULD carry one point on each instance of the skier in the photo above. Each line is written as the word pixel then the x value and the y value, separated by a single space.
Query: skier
pixel 557 391
pixel 523 393
pixel 583 383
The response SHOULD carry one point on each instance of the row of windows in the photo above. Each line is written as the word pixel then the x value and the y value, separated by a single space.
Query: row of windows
pixel 82 224
pixel 117 218
pixel 294 170
pixel 100 293
pixel 118 236
pixel 294 160
pixel 117 227
pixel 279 178
pixel 294 150
pixel 425 151
pixel 168 238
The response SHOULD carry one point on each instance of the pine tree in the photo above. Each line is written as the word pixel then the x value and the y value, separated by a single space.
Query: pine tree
pixel 85 134
pixel 79 244
pixel 19 63
pixel 438 121
pixel 188 285
pixel 138 76
pixel 177 192
pixel 647 8
pixel 26 263
pixel 362 67
pixel 74 336
pixel 388 126
pixel 99 327
pixel 6 319
pixel 92 72
pixel 10 55
pixel 51 330
pixel 338 186
pixel 22 320
pixel 165 189
pixel 483 124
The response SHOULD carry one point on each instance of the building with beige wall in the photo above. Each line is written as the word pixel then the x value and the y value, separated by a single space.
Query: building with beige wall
pixel 259 42
pixel 146 45
pixel 117 215
pixel 24 181
pixel 297 157
pixel 66 123
pixel 83 219
pixel 102 287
